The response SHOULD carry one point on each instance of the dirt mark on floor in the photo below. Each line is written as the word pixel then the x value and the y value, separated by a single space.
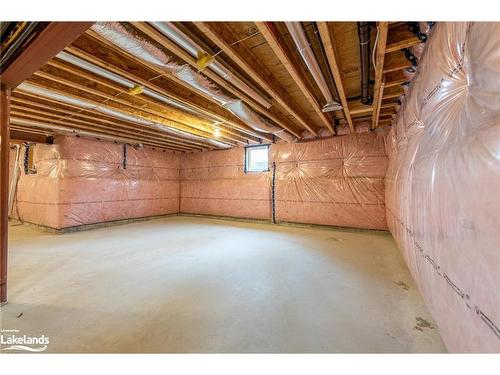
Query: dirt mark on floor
pixel 423 324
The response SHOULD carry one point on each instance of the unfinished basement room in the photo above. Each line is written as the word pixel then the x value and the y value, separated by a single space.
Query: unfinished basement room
pixel 250 187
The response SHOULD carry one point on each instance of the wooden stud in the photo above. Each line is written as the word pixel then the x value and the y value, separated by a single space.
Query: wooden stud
pixel 379 67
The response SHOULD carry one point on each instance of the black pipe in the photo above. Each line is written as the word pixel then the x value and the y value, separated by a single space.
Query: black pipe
pixel 364 46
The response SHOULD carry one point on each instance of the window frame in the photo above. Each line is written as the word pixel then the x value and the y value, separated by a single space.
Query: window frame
pixel 247 150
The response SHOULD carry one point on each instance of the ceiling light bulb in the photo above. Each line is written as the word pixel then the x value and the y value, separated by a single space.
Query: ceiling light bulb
pixel 217 132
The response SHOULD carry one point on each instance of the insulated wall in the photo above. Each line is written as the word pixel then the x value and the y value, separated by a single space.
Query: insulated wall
pixel 336 181
pixel 80 181
pixel 215 183
pixel 443 183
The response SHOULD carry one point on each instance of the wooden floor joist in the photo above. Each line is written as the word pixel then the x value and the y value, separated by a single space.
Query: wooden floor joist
pixel 55 106
pixel 397 67
pixel 328 44
pixel 191 102
pixel 181 53
pixel 268 31
pixel 379 67
pixel 98 126
pixel 244 58
pixel 407 43
pixel 117 103
pixel 392 95
pixel 395 83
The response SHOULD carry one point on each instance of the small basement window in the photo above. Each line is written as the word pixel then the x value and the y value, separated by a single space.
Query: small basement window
pixel 257 158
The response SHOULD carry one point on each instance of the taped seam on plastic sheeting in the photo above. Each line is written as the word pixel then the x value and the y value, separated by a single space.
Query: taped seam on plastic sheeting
pixel 464 296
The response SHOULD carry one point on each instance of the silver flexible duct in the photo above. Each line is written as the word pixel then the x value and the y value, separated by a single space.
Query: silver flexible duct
pixel 142 49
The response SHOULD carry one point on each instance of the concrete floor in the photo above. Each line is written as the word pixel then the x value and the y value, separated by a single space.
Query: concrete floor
pixel 186 284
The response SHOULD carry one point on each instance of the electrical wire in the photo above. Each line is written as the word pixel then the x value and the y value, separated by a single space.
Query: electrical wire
pixel 375 48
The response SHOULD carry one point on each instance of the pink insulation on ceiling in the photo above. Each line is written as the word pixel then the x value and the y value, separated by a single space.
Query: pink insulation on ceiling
pixel 443 182
pixel 81 181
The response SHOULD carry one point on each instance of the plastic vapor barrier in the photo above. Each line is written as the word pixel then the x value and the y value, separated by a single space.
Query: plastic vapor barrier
pixel 336 181
pixel 80 181
pixel 215 183
pixel 443 182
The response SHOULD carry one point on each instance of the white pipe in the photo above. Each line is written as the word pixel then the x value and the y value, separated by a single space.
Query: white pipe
pixel 302 43
pixel 112 112
pixel 173 33
pixel 13 182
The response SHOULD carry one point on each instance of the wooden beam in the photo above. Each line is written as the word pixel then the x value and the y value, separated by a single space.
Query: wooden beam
pixel 379 68
pixel 388 105
pixel 392 95
pixel 407 43
pixel 220 34
pixel 327 38
pixel 269 32
pixel 18 137
pixel 397 67
pixel 181 53
pixel 357 108
pixel 4 188
pixel 395 83
pixel 53 39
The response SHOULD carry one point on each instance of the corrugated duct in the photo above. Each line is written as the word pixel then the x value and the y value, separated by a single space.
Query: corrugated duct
pixel 141 48
pixel 82 103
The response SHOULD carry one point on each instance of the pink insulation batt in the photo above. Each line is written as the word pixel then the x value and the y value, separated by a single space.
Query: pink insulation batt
pixel 335 181
pixel 81 181
pixel 443 183
pixel 215 183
